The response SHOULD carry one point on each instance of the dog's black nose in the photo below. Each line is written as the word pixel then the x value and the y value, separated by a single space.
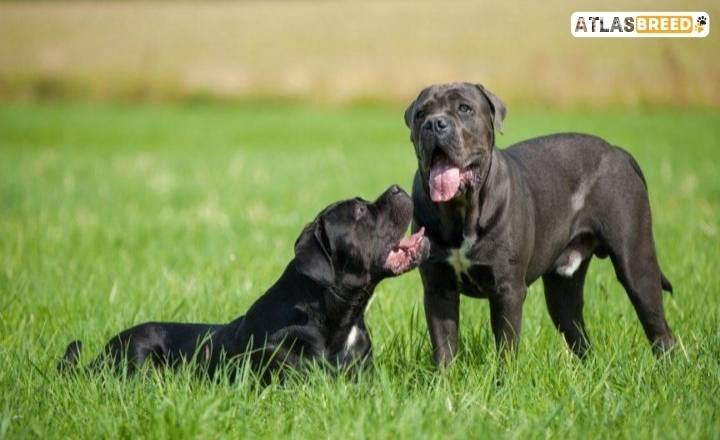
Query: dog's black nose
pixel 438 124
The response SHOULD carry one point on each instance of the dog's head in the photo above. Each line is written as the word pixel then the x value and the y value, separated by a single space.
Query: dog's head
pixel 453 129
pixel 354 244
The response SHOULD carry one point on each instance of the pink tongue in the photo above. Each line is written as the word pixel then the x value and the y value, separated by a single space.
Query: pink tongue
pixel 412 239
pixel 444 180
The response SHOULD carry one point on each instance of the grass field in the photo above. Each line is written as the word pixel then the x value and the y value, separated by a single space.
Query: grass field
pixel 112 215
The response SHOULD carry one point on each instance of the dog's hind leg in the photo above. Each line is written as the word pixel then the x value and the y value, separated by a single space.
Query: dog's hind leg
pixel 564 299
pixel 637 269
pixel 130 349
pixel 71 358
pixel 627 237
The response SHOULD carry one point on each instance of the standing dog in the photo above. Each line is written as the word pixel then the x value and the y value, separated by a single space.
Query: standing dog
pixel 314 312
pixel 499 220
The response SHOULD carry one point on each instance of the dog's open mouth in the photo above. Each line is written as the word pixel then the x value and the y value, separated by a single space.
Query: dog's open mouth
pixel 408 253
pixel 447 179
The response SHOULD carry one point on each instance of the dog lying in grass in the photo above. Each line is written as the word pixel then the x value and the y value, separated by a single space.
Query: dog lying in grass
pixel 314 311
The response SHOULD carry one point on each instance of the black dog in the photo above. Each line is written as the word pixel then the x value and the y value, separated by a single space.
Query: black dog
pixel 314 312
pixel 498 220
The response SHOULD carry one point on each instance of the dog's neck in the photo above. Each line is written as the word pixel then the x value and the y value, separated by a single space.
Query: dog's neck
pixel 339 307
pixel 336 309
pixel 476 208
pixel 492 195
pixel 342 316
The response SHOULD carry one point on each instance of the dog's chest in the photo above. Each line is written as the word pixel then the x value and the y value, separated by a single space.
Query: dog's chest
pixel 352 341
pixel 473 278
pixel 458 258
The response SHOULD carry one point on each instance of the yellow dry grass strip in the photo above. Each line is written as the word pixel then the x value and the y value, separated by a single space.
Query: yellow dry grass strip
pixel 337 51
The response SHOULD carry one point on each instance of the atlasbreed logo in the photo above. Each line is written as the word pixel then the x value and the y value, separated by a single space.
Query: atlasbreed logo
pixel 640 24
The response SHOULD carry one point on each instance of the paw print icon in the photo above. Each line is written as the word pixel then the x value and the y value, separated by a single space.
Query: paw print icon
pixel 702 20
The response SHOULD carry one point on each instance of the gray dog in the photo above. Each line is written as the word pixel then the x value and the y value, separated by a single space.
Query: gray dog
pixel 499 220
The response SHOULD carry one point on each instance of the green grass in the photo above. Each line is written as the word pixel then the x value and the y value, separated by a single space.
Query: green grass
pixel 113 215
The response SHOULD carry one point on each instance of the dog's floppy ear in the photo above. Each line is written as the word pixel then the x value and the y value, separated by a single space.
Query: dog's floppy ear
pixel 409 114
pixel 410 111
pixel 312 256
pixel 497 106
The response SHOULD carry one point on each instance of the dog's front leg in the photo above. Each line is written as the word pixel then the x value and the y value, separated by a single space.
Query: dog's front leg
pixel 506 304
pixel 442 303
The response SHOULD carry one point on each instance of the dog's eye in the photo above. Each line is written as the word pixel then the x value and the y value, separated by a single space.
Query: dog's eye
pixel 419 115
pixel 464 108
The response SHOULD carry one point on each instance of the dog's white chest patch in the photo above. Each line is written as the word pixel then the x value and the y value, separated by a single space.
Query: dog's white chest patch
pixel 352 338
pixel 458 258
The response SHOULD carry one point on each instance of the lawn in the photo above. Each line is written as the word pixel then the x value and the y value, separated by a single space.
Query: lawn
pixel 111 215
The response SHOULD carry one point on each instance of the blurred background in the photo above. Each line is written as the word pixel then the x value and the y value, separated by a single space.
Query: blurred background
pixel 324 51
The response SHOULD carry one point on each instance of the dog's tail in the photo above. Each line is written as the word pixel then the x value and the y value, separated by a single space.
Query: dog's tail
pixel 666 285
pixel 71 358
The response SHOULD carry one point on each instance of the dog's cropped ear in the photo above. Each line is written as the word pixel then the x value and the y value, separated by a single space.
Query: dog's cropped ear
pixel 497 106
pixel 312 255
